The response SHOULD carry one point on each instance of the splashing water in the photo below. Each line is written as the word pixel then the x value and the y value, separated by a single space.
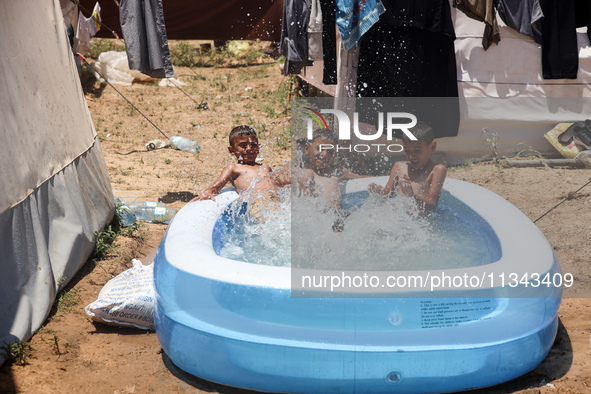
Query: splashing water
pixel 379 234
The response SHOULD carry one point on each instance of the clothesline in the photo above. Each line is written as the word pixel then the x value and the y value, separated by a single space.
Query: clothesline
pixel 202 105
pixel 114 33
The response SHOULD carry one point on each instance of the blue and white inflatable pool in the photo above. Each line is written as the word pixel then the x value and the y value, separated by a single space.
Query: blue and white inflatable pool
pixel 236 323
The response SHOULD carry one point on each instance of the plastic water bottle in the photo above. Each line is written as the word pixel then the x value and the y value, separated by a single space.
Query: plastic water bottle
pixel 153 214
pixel 126 216
pixel 183 143
pixel 146 204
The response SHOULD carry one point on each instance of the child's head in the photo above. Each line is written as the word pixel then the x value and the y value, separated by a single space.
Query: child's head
pixel 418 152
pixel 244 144
pixel 322 149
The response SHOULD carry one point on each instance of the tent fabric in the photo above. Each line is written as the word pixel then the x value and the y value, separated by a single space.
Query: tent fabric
pixel 513 68
pixel 205 20
pixel 55 187
pixel 46 238
pixel 43 113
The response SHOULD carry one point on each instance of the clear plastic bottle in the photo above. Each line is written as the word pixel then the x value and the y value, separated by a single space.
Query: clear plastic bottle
pixel 146 204
pixel 153 214
pixel 183 143
pixel 126 216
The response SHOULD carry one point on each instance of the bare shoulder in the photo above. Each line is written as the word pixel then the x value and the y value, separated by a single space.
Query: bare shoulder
pixel 265 167
pixel 438 174
pixel 439 169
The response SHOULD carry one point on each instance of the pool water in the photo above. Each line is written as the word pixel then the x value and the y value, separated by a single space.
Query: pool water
pixel 380 234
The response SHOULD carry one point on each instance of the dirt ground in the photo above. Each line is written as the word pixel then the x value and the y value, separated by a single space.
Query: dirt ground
pixel 73 354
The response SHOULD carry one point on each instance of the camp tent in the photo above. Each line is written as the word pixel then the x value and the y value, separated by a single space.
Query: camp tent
pixel 55 190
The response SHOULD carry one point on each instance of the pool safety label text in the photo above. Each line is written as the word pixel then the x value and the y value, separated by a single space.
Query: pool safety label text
pixel 436 313
pixel 348 281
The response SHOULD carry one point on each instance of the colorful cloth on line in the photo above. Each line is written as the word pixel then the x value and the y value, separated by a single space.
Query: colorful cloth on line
pixel 355 17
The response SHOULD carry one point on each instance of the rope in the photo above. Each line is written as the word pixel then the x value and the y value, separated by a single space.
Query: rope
pixel 569 196
pixel 202 105
pixel 121 94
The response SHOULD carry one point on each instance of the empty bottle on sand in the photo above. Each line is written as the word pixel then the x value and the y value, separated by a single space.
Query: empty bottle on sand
pixel 183 143
pixel 147 204
pixel 126 217
pixel 153 214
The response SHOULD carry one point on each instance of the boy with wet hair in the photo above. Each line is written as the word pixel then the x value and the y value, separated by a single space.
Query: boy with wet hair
pixel 419 177
pixel 244 145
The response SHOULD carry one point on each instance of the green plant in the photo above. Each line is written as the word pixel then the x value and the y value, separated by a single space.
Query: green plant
pixel 103 243
pixel 526 150
pixel 17 352
pixel 492 142
pixel 100 45
pixel 68 301
pixel 183 54
pixel 131 231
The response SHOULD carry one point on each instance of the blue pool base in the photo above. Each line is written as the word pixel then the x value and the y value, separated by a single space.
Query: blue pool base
pixel 294 369
pixel 236 323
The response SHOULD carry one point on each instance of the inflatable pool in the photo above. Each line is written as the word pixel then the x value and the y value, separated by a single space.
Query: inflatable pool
pixel 236 323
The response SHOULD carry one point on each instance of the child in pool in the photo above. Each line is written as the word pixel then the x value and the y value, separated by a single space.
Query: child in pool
pixel 244 145
pixel 322 179
pixel 419 177
pixel 256 182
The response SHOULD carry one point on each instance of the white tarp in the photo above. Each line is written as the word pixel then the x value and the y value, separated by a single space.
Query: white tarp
pixel 502 90
pixel 55 189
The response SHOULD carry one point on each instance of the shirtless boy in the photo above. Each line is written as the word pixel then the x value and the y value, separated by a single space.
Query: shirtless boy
pixel 245 174
pixel 419 177
pixel 323 176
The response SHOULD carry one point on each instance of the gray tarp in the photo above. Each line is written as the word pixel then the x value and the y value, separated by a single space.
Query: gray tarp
pixel 55 190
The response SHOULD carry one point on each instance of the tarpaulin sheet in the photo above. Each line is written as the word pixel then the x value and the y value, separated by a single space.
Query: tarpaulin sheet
pixel 55 190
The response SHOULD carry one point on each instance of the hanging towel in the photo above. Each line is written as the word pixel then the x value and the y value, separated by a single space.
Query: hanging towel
pixel 87 27
pixel 483 11
pixel 315 31
pixel 355 17
pixel 142 25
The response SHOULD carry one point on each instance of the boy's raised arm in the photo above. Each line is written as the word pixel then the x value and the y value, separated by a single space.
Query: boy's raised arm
pixel 347 174
pixel 392 182
pixel 227 175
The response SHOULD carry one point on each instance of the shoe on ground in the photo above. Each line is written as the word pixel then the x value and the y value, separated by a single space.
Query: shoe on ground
pixel 582 133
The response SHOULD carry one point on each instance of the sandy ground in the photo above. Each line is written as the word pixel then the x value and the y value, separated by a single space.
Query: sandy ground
pixel 72 354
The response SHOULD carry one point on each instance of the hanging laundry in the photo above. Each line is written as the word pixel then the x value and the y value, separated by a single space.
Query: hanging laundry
pixel 560 51
pixel 87 27
pixel 410 52
pixel 483 11
pixel 525 16
pixel 144 31
pixel 355 17
pixel 315 31
pixel 329 42
pixel 294 37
